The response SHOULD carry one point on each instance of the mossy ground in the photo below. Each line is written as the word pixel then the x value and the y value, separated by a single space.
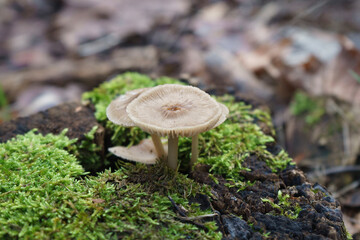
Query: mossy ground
pixel 49 197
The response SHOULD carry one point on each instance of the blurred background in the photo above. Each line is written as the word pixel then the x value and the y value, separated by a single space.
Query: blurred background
pixel 299 58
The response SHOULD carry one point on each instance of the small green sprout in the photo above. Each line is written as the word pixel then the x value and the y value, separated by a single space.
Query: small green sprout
pixel 284 205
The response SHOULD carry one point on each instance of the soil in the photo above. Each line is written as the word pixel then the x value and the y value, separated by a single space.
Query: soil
pixel 320 216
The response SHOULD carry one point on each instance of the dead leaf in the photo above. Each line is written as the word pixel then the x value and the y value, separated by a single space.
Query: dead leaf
pixel 98 200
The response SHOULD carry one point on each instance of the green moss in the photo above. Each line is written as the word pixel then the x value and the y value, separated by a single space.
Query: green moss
pixel 266 235
pixel 137 211
pixel 312 109
pixel 225 147
pixel 46 199
pixel 348 235
pixel 88 152
pixel 283 206
pixel 42 195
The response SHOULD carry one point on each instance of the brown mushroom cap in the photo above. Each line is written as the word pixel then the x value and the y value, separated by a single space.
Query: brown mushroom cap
pixel 144 152
pixel 174 110
pixel 116 111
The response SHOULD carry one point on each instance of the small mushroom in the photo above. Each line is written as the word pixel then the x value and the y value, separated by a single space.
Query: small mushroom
pixel 144 152
pixel 175 110
pixel 116 112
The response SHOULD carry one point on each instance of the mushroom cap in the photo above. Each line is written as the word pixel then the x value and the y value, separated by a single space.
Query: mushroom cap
pixel 116 111
pixel 174 110
pixel 144 152
pixel 223 116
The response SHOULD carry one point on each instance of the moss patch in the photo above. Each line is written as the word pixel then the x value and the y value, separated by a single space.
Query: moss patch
pixel 226 147
pixel 88 152
pixel 45 198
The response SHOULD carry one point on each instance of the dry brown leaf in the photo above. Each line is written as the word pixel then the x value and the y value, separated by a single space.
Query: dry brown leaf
pixel 337 79
pixel 98 200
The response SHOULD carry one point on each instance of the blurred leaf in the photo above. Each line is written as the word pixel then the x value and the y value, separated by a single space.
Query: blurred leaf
pixel 311 108
pixel 354 75
pixel 4 108
pixel 3 100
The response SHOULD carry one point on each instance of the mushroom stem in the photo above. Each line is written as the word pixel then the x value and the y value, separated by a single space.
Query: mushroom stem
pixel 158 145
pixel 194 149
pixel 173 152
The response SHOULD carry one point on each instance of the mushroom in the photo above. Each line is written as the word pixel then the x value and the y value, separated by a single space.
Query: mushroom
pixel 176 110
pixel 144 152
pixel 116 113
